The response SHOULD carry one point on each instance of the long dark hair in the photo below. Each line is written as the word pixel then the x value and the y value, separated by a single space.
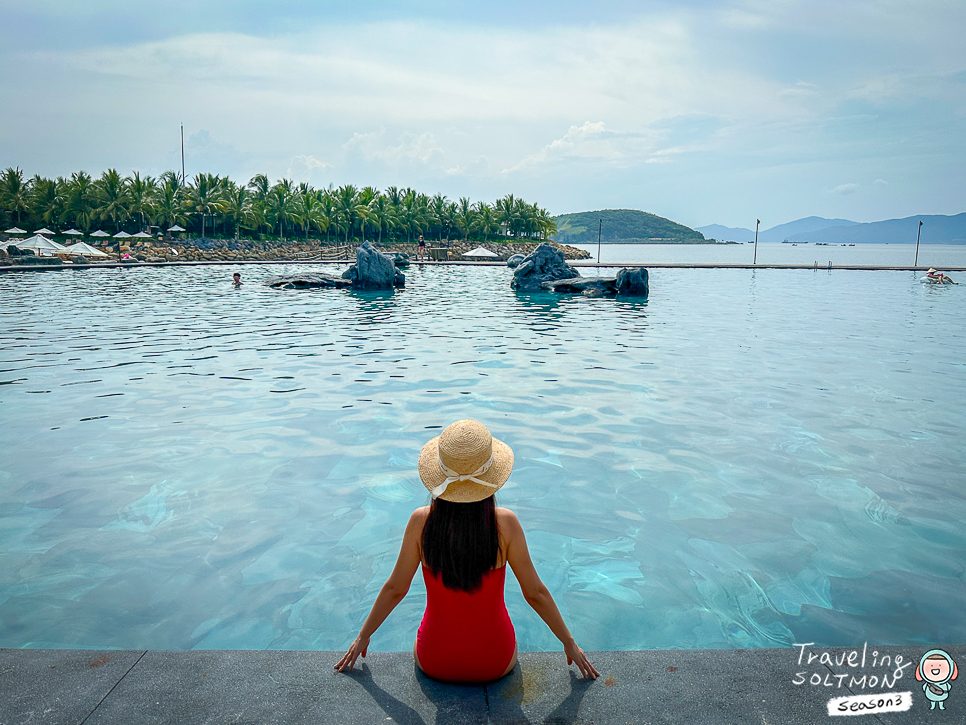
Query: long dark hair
pixel 461 542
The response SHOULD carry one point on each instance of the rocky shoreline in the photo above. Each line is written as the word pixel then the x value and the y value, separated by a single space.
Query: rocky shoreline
pixel 247 250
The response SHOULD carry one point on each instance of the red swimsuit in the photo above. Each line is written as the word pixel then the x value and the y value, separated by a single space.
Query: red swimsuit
pixel 465 637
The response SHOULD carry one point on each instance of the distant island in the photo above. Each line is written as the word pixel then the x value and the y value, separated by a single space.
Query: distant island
pixel 624 226
pixel 936 229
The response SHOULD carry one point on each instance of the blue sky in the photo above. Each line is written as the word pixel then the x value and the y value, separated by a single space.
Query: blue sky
pixel 704 112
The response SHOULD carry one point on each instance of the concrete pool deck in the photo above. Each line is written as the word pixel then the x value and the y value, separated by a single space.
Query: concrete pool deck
pixel 700 687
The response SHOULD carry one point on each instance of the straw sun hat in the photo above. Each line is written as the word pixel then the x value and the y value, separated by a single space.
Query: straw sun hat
pixel 465 463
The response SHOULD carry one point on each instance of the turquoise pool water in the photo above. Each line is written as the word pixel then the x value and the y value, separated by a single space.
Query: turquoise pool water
pixel 747 459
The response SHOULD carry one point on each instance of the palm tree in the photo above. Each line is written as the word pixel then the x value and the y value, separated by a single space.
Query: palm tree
pixel 259 187
pixel 505 210
pixel 382 214
pixel 465 217
pixel 327 209
pixel 437 208
pixel 142 194
pixel 280 204
pixel 112 197
pixel 204 197
pixel 238 206
pixel 415 212
pixel 169 205
pixel 308 210
pixel 14 192
pixel 348 208
pixel 486 221
pixel 47 199
pixel 79 201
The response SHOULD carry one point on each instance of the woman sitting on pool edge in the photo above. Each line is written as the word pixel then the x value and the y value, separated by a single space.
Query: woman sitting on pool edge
pixel 464 542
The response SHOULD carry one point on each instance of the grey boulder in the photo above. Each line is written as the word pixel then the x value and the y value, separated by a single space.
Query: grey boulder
pixel 627 283
pixel 543 264
pixel 373 270
pixel 632 283
pixel 515 260
pixel 306 280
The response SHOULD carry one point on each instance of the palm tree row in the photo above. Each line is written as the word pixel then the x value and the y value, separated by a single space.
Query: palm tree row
pixel 212 205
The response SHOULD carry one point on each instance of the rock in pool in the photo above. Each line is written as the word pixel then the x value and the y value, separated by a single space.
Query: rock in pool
pixel 373 270
pixel 543 264
pixel 306 280
pixel 515 260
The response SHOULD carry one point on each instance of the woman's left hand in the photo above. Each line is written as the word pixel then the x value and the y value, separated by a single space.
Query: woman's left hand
pixel 359 647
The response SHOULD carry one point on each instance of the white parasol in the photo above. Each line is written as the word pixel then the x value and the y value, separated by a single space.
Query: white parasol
pixel 41 245
pixel 85 249
pixel 480 252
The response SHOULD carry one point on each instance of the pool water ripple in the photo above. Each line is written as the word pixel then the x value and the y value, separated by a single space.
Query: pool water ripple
pixel 747 459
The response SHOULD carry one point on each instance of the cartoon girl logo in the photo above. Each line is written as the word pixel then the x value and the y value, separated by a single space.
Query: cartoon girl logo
pixel 936 671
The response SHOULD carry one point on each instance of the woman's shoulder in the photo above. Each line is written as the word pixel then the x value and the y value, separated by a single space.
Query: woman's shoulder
pixel 507 520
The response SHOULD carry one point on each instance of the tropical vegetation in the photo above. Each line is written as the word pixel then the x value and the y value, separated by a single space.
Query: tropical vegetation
pixel 621 226
pixel 215 206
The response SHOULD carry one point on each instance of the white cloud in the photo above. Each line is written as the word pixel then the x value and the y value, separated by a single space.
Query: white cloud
pixel 303 167
pixel 588 141
pixel 421 148
pixel 843 189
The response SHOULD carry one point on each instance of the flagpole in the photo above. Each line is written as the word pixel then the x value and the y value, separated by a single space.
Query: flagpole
pixel 182 154
pixel 757 222
pixel 600 224
pixel 918 234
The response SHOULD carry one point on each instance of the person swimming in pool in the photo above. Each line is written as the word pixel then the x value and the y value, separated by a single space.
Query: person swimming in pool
pixel 462 542
pixel 236 279
pixel 938 277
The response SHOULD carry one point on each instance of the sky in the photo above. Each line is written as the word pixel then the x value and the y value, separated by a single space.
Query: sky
pixel 703 112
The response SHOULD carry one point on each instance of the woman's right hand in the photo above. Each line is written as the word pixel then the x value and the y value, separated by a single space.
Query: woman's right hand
pixel 576 656
pixel 359 647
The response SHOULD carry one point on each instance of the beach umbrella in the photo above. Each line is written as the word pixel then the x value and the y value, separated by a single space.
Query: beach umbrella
pixel 176 228
pixel 480 252
pixel 122 235
pixel 44 230
pixel 85 249
pixel 73 233
pixel 99 233
pixel 15 230
pixel 41 245
pixel 142 235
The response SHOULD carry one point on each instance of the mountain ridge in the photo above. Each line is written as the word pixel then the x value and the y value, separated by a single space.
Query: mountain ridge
pixel 937 229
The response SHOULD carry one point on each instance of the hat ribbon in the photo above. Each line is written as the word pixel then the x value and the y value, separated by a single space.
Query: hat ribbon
pixel 453 476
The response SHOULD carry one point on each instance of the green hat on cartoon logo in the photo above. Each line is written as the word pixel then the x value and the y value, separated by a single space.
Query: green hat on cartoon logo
pixel 936 670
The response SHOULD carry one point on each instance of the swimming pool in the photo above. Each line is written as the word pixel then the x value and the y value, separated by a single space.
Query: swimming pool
pixel 747 459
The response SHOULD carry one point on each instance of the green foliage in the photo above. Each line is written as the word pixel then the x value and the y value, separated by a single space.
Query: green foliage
pixel 621 226
pixel 217 206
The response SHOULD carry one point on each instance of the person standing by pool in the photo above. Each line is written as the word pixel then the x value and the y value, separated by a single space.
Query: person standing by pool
pixel 422 248
pixel 463 543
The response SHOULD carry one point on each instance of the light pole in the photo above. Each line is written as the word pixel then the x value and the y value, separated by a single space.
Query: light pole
pixel 918 234
pixel 757 222
pixel 600 224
